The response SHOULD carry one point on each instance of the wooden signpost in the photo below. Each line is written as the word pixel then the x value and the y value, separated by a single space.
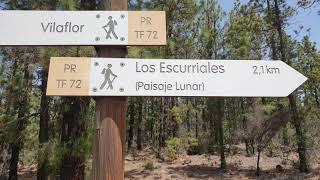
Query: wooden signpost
pixel 108 162
pixel 158 77
pixel 111 29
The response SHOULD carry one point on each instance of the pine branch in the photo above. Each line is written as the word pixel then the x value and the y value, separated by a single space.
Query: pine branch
pixel 19 119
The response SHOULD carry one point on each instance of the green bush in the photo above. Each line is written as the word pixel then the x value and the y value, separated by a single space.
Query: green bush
pixel 213 148
pixel 148 165
pixel 193 146
pixel 173 148
pixel 273 149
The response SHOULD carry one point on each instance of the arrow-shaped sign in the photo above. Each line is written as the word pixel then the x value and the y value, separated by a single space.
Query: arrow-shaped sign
pixel 156 77
pixel 82 28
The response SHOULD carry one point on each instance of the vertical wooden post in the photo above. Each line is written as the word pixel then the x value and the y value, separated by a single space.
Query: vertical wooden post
pixel 111 113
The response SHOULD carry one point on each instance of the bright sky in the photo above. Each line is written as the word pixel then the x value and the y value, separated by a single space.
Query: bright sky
pixel 307 18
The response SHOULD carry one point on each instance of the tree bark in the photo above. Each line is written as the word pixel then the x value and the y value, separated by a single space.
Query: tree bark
pixel 197 126
pixel 42 173
pixel 139 124
pixel 162 122
pixel 258 163
pixel 72 168
pixel 153 115
pixel 131 123
pixel 297 120
pixel 73 126
pixel 15 153
pixel 17 144
pixel 220 113
pixel 300 134
pixel 244 126
pixel 216 107
pixel 188 116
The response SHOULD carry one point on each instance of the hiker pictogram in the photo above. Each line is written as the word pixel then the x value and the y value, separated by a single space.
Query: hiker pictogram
pixel 107 75
pixel 111 24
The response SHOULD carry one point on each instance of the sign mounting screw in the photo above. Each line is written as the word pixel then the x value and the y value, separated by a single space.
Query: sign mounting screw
pixel 122 16
pixel 98 16
pixel 121 90
pixel 95 89
pixel 96 64
pixel 122 39
pixel 97 39
pixel 122 64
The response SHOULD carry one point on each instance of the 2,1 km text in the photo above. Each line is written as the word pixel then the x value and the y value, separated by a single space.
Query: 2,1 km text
pixel 263 70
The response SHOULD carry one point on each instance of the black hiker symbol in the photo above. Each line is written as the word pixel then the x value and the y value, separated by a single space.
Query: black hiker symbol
pixel 107 75
pixel 112 23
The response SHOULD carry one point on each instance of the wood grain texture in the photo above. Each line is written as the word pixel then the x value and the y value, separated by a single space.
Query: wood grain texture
pixel 110 137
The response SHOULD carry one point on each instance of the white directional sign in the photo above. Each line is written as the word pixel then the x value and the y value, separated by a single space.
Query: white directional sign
pixel 137 77
pixel 82 28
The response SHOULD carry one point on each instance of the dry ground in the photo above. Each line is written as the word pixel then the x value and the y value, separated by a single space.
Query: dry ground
pixel 239 166
pixel 207 167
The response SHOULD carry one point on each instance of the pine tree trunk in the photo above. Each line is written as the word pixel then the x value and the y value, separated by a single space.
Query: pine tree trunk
pixel 244 126
pixel 175 125
pixel 216 130
pixel 131 123
pixel 42 173
pixel 165 121
pixel 188 117
pixel 13 168
pixel 153 114
pixel 212 130
pixel 161 126
pixel 197 125
pixel 139 124
pixel 72 168
pixel 297 120
pixel 73 126
pixel 301 139
pixel 17 144
pixel 216 109
pixel 220 113
pixel 258 163
pixel 9 104
pixel 272 41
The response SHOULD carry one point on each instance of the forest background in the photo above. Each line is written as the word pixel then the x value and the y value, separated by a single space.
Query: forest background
pixel 56 133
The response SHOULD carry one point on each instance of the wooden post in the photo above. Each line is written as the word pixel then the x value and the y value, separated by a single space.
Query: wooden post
pixel 111 112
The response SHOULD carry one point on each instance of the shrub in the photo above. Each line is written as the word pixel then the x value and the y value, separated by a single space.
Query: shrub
pixel 148 165
pixel 213 148
pixel 273 149
pixel 193 146
pixel 173 148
